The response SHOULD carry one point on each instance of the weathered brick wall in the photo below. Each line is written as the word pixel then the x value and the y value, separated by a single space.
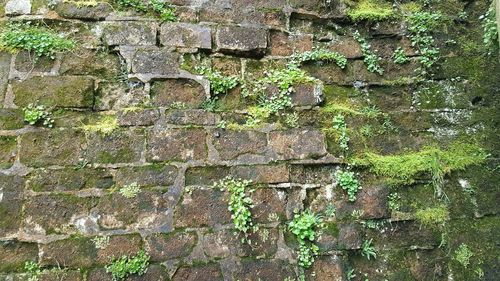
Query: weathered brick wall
pixel 58 187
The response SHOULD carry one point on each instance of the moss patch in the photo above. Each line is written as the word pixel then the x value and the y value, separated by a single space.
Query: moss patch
pixel 371 10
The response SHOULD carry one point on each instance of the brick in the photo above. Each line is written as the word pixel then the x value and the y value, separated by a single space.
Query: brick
pixel 120 146
pixel 185 35
pixel 143 117
pixel 89 62
pixel 285 44
pixel 176 145
pixel 64 91
pixel 372 200
pixel 151 175
pixel 223 243
pixel 298 144
pixel 232 144
pixel 185 91
pixel 202 208
pixel 163 247
pixel 238 39
pixel 350 236
pixel 52 147
pixel 70 253
pixel 73 11
pixel 198 117
pixel 270 201
pixel 155 61
pixel 119 245
pixel 265 270
pixel 8 151
pixel 207 272
pixel 347 46
pixel 262 173
pixel 11 196
pixel 129 33
pixel 54 214
pixel 240 12
pixel 327 268
pixel 43 180
pixel 13 254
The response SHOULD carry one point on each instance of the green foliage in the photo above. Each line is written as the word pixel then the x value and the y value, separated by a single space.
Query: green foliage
pixel 490 35
pixel 39 40
pixel 371 10
pixel 105 126
pixel 405 168
pixel 371 60
pixel 399 56
pixel 239 203
pixel 367 249
pixel 82 3
pixel 219 83
pixel 304 226
pixel 101 242
pixel 125 266
pixel 33 270
pixel 348 182
pixel 37 114
pixel 319 55
pixel 292 120
pixel 341 127
pixel 420 26
pixel 158 8
pixel 463 255
pixel 393 200
pixel 130 190
pixel 433 216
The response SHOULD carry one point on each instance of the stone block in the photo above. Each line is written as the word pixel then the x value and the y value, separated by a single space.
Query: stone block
pixel 155 61
pixel 69 253
pixel 118 246
pixel 74 11
pixel 13 255
pixel 8 151
pixel 202 207
pixel 67 179
pixel 27 62
pixel 88 62
pixel 141 117
pixel 129 33
pixel 197 117
pixel 17 7
pixel 372 200
pixel 11 196
pixel 239 39
pixel 327 268
pixel 176 145
pixel 285 44
pixel 223 243
pixel 151 175
pixel 232 144
pixel 163 246
pixel 206 272
pixel 185 91
pixel 64 91
pixel 298 144
pixel 11 119
pixel 264 270
pixel 268 202
pixel 120 146
pixel 185 35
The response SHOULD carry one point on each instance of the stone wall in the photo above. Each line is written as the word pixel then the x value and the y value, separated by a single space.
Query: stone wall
pixel 59 186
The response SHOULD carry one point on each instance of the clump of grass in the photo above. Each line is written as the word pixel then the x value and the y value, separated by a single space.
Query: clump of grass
pixel 105 126
pixel 433 216
pixel 35 39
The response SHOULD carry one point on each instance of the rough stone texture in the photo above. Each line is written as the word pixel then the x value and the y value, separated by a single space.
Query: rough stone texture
pixel 152 175
pixel 264 270
pixel 65 91
pixel 298 144
pixel 185 35
pixel 118 246
pixel 13 254
pixel 17 7
pixel 283 44
pixel 241 39
pixel 191 117
pixel 202 208
pixel 155 61
pixel 73 11
pixel 11 119
pixel 117 147
pixel 11 194
pixel 329 268
pixel 209 272
pixel 129 33
pixel 372 200
pixel 69 179
pixel 87 62
pixel 176 145
pixel 72 253
pixel 8 151
pixel 231 144
pixel 144 117
pixel 185 91
pixel 162 247
pixel 66 147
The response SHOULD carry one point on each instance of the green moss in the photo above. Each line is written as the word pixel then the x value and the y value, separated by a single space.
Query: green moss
pixel 105 126
pixel 433 216
pixel 405 168
pixel 371 10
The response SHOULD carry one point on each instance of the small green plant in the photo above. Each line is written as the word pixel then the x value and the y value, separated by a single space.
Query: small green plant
pixel 101 242
pixel 341 127
pixel 305 226
pixel 367 249
pixel 394 200
pixel 219 83
pixel 330 210
pixel 319 55
pixel 177 105
pixel 351 274
pixel 240 204
pixel 371 10
pixel 292 120
pixel 33 270
pixel 82 3
pixel 130 191
pixel 157 8
pixel 348 182
pixel 371 60
pixel 39 40
pixel 399 56
pixel 490 35
pixel 125 266
pixel 37 114
pixel 105 126
pixel 463 255
pixel 433 216
pixel 222 124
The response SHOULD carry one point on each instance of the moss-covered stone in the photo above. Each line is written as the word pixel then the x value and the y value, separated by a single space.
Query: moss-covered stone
pixel 8 151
